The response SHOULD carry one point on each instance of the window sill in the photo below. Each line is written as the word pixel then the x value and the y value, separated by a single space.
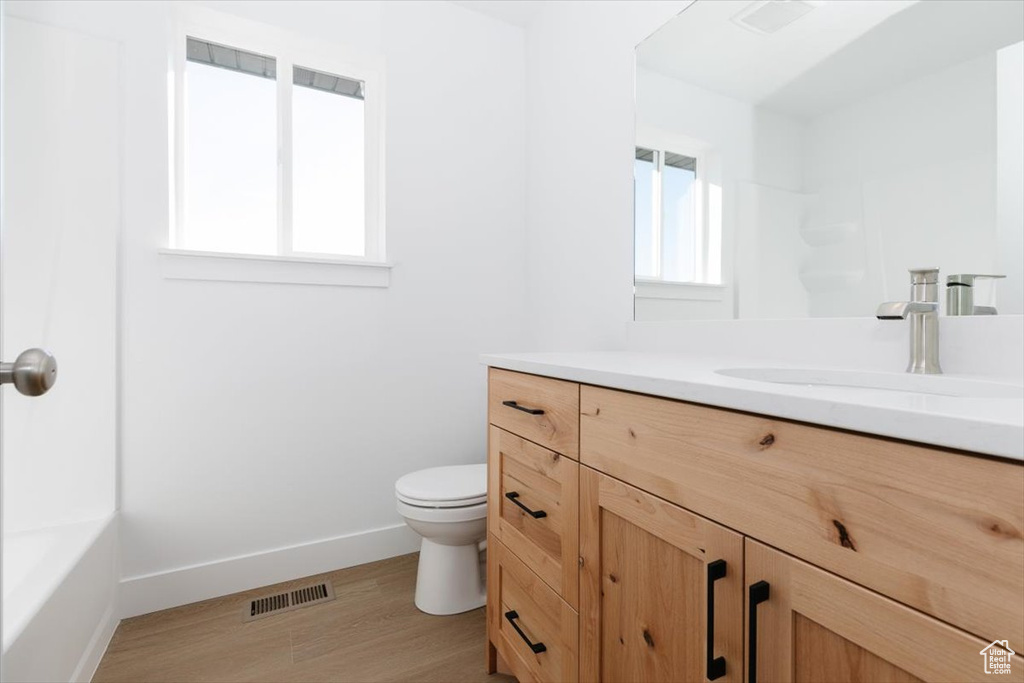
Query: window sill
pixel 683 291
pixel 182 264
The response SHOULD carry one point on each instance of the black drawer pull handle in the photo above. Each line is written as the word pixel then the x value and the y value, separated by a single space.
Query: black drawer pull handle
pixel 531 411
pixel 514 497
pixel 716 665
pixel 759 592
pixel 537 648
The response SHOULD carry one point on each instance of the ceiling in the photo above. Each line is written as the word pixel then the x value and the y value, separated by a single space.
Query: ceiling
pixel 838 53
pixel 517 12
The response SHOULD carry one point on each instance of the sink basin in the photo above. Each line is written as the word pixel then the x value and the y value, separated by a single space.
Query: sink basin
pixel 931 385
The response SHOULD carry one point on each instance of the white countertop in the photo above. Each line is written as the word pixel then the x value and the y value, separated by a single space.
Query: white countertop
pixel 994 426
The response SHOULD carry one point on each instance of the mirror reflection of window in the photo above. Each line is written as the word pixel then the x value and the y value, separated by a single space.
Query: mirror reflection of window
pixel 644 181
pixel 668 228
pixel 681 240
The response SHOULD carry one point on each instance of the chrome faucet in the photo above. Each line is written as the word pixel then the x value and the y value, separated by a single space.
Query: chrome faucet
pixel 960 294
pixel 923 312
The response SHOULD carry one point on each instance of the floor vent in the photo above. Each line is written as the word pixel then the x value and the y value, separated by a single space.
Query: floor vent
pixel 278 603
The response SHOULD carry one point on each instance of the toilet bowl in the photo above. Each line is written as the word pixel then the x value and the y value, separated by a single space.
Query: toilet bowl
pixel 447 506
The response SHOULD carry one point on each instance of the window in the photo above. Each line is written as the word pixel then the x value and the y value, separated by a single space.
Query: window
pixel 277 153
pixel 230 201
pixel 671 243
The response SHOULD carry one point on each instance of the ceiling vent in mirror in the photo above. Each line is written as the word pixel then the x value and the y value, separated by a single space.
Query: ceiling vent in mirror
pixel 768 16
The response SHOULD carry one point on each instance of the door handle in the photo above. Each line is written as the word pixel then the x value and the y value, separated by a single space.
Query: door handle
pixel 537 648
pixel 759 592
pixel 514 497
pixel 715 665
pixel 529 411
pixel 32 373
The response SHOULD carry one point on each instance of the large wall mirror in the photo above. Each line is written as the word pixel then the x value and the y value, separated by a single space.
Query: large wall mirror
pixel 794 158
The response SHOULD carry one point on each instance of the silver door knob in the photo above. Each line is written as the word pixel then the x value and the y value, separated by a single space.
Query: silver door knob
pixel 32 373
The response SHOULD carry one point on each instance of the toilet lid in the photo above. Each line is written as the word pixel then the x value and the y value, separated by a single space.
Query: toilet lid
pixel 454 486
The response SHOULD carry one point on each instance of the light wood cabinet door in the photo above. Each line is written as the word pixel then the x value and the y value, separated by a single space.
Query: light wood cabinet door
pixel 649 569
pixel 534 630
pixel 807 625
pixel 532 508
pixel 544 410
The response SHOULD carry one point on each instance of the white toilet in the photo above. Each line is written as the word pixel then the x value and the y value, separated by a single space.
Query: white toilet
pixel 447 506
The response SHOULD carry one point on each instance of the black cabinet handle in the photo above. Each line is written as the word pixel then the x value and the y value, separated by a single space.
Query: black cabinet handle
pixel 759 592
pixel 531 411
pixel 537 648
pixel 514 497
pixel 716 665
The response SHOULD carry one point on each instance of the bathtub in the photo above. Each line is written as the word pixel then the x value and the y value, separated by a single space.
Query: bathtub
pixel 59 600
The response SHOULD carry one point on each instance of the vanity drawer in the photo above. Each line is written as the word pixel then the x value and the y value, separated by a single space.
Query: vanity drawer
pixel 935 529
pixel 532 508
pixel 517 598
pixel 541 409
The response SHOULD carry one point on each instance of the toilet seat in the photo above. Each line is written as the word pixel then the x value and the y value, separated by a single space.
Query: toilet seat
pixel 457 486
pixel 466 513
pixel 441 504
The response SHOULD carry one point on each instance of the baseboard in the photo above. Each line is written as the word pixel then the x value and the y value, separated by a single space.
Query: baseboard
pixel 97 647
pixel 162 590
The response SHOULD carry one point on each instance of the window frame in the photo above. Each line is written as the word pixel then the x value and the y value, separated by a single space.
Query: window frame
pixel 702 233
pixel 288 50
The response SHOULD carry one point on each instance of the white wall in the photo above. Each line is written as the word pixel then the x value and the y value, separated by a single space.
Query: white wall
pixel 580 130
pixel 262 417
pixel 1010 177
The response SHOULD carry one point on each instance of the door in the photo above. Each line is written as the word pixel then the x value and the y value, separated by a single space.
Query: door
pixel 533 508
pixel 807 625
pixel 660 589
pixel 60 215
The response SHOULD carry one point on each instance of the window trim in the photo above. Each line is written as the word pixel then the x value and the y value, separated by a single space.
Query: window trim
pixel 648 288
pixel 219 266
pixel 660 144
pixel 289 50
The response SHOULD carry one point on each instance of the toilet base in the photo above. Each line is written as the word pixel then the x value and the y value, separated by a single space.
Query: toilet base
pixel 448 580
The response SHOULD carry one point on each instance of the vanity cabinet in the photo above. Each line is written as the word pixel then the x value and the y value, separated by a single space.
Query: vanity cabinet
pixel 719 545
pixel 938 530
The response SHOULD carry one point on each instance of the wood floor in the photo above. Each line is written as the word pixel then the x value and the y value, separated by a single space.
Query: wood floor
pixel 371 632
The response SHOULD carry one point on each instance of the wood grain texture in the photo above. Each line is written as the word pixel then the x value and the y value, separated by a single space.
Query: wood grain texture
pixel 824 656
pixel 820 627
pixel 643 587
pixel 543 616
pixel 557 428
pixel 937 530
pixel 544 481
pixel 371 632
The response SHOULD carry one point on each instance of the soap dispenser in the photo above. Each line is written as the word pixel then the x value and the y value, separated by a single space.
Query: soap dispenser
pixel 960 295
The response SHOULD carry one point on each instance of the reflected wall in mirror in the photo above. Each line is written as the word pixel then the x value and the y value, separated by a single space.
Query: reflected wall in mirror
pixel 795 158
